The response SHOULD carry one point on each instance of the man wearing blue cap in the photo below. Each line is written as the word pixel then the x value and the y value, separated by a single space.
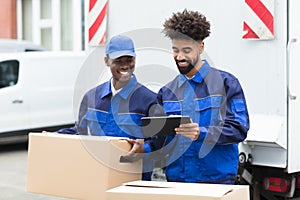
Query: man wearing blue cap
pixel 115 108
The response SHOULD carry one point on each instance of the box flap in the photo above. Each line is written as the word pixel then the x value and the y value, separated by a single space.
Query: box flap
pixel 84 137
pixel 192 189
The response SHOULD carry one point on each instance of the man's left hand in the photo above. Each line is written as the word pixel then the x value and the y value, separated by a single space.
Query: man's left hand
pixel 190 130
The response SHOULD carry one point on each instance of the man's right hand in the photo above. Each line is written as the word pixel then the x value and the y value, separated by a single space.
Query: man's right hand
pixel 136 152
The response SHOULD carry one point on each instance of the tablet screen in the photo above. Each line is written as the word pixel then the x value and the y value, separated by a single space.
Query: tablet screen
pixel 162 126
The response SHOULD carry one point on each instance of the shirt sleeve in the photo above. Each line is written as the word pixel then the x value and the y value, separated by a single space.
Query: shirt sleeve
pixel 71 130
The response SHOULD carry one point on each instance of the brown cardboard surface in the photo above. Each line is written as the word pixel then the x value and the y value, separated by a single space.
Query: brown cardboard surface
pixel 79 167
pixel 149 190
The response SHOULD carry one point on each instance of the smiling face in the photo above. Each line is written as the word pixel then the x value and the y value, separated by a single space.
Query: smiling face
pixel 121 69
pixel 186 54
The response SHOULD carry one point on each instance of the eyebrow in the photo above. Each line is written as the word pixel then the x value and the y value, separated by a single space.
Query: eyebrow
pixel 184 48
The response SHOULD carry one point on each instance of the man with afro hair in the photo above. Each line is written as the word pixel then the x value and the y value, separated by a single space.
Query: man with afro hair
pixel 206 149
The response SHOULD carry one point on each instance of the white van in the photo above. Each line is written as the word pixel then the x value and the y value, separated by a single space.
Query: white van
pixel 36 92
pixel 13 45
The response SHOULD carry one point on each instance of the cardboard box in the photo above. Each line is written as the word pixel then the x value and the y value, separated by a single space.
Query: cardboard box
pixel 150 190
pixel 79 167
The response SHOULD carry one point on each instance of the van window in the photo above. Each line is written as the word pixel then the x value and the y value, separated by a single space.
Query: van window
pixel 29 50
pixel 9 73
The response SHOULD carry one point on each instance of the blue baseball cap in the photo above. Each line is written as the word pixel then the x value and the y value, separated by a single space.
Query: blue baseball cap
pixel 120 46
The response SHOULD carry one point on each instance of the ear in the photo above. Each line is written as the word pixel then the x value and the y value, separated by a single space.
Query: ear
pixel 106 60
pixel 201 47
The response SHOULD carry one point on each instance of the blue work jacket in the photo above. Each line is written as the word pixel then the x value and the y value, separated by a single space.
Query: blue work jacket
pixel 102 114
pixel 214 99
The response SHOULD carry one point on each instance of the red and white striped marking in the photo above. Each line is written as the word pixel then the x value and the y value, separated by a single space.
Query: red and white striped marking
pixel 259 19
pixel 97 22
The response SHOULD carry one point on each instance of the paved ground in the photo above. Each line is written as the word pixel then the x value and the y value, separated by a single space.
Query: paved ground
pixel 13 171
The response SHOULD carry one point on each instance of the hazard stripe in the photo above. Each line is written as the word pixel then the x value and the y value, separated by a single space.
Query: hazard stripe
pixel 263 13
pixel 99 20
pixel 100 35
pixel 103 39
pixel 258 19
pixel 94 12
pixel 92 4
pixel 249 32
pixel 269 5
pixel 255 25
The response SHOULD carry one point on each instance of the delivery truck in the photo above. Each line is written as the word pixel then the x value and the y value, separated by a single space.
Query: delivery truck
pixel 259 42
pixel 36 92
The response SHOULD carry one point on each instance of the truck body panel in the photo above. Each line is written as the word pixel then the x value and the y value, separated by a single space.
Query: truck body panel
pixel 293 88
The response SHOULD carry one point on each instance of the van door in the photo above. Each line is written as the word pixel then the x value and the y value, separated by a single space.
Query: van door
pixel 14 114
pixel 293 72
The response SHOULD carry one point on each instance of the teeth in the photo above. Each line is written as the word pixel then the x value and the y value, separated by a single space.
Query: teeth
pixel 124 72
pixel 183 63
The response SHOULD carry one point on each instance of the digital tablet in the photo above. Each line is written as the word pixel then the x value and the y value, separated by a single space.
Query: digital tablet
pixel 163 126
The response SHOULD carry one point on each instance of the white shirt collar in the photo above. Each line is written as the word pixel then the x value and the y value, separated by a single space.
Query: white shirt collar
pixel 189 78
pixel 113 90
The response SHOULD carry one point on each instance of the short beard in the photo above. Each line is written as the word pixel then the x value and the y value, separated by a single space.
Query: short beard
pixel 186 69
